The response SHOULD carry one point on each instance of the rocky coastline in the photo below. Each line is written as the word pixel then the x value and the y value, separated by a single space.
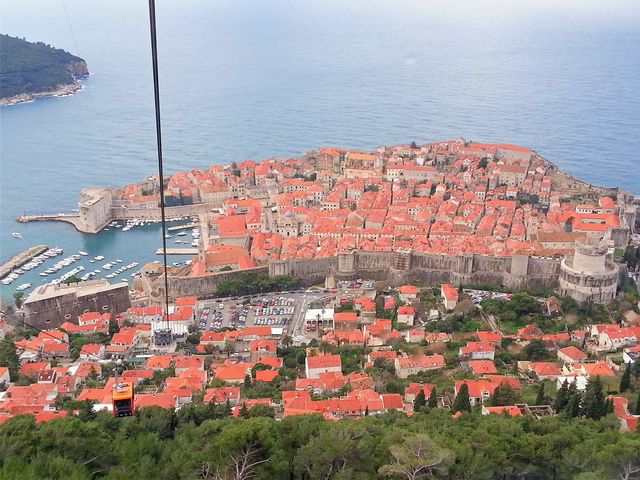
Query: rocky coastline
pixel 57 91
pixel 77 69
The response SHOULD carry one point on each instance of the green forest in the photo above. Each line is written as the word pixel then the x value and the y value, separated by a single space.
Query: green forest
pixel 205 442
pixel 27 67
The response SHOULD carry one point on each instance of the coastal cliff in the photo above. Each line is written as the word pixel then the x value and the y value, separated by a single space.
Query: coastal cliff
pixel 30 70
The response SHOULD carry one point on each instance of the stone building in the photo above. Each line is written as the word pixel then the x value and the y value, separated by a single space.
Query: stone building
pixel 588 275
pixel 49 306
pixel 94 208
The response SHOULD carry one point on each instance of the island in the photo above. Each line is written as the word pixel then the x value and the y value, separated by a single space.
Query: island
pixel 29 70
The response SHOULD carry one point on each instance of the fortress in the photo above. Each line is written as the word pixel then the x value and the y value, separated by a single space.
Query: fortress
pixel 455 212
pixel 588 275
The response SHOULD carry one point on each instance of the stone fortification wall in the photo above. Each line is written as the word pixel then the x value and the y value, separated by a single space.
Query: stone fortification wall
pixel 519 271
pixel 52 312
pixel 154 213
pixel 312 271
pixel 588 286
pixel 201 286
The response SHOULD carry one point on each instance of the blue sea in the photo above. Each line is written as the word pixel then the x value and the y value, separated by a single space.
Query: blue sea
pixel 254 79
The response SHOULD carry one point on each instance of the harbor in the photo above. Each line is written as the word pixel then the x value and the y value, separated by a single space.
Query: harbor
pixel 21 259
pixel 114 253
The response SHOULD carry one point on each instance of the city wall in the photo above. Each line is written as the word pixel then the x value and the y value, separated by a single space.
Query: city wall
pixel 516 272
pixel 201 285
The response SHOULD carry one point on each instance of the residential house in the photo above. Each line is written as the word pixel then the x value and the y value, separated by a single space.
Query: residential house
pixel 477 351
pixel 314 366
pixel 406 366
pixel 406 315
pixel 408 293
pixel 449 296
pixel 571 354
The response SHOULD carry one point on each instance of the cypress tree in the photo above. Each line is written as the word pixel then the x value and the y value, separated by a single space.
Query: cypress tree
pixel 562 397
pixel 247 381
pixel 572 409
pixel 462 402
pixel 366 411
pixel 244 411
pixel 625 381
pixel 594 399
pixel 637 410
pixel 419 401
pixel 540 396
pixel 433 399
pixel 608 407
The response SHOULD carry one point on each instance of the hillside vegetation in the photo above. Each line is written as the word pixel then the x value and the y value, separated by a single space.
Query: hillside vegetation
pixel 27 68
pixel 204 442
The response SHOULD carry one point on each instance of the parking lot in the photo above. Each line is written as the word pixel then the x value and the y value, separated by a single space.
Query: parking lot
pixel 276 310
pixel 285 310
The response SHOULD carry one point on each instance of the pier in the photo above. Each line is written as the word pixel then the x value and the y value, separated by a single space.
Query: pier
pixel 178 251
pixel 20 259
pixel 71 218
pixel 182 227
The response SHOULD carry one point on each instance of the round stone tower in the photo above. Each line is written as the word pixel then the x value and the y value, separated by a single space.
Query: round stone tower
pixel 588 275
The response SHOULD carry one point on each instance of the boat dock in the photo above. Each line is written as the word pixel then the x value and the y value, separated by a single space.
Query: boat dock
pixel 182 227
pixel 178 251
pixel 20 259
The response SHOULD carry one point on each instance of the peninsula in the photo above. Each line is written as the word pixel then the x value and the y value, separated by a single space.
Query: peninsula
pixel 454 211
pixel 29 70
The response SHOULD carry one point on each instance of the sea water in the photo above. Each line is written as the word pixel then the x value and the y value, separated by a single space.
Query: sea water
pixel 255 79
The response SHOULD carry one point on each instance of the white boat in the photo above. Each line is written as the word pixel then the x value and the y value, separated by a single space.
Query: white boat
pixel 180 234
pixel 43 274
pixel 84 254
pixel 118 260
pixel 16 234
pixel 167 236
pixel 99 257
pixel 92 261
pixel 18 271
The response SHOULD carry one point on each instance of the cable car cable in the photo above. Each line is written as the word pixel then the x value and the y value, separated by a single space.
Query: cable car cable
pixel 156 95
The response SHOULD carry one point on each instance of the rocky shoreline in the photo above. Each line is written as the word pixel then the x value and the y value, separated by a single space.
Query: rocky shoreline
pixel 62 89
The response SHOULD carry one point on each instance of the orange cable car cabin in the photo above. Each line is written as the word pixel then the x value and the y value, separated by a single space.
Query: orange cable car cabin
pixel 122 399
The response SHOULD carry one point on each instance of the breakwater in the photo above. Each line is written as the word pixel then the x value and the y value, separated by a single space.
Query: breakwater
pixel 20 259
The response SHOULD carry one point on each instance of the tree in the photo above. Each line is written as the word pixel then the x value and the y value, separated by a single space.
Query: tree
pixel 419 401
pixel 462 402
pixel 504 394
pixel 417 457
pixel 9 358
pixel 113 327
pixel 260 410
pixel 433 399
pixel 247 381
pixel 625 381
pixel 287 341
pixel 72 279
pixel 540 398
pixel 18 299
pixel 244 411
pixel 562 397
pixel 229 346
pixel 594 399
pixel 574 401
pixel 536 350
pixel 637 409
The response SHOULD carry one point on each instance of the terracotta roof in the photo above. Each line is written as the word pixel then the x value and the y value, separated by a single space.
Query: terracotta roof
pixel 324 361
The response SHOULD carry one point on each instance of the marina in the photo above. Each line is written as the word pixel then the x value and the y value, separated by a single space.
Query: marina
pixel 20 259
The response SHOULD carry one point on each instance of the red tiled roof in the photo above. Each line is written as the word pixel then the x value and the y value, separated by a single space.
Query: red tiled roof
pixel 324 361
